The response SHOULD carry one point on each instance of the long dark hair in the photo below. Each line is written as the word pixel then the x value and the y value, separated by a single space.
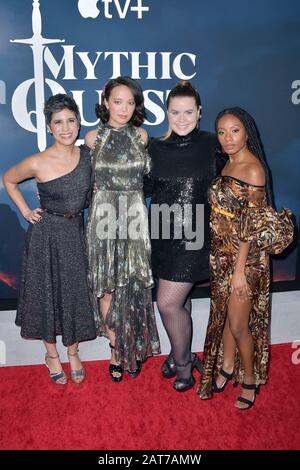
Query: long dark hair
pixel 254 142
pixel 139 114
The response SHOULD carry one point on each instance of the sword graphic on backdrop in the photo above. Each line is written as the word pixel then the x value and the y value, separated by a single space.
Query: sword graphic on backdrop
pixel 37 43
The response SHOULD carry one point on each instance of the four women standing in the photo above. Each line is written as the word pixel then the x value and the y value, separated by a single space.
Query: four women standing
pixel 54 295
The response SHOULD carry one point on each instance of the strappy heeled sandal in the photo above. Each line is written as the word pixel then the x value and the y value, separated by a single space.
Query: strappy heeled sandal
pixel 115 368
pixel 134 373
pixel 197 363
pixel 58 378
pixel 227 377
pixel 168 368
pixel 182 385
pixel 77 375
pixel 250 403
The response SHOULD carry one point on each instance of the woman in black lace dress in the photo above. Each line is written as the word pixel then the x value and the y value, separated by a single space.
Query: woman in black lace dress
pixel 183 165
pixel 54 298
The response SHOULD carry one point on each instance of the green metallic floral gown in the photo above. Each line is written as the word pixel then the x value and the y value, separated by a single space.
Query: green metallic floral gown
pixel 118 244
pixel 239 212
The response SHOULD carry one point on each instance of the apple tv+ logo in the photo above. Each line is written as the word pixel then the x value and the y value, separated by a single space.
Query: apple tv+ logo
pixel 89 8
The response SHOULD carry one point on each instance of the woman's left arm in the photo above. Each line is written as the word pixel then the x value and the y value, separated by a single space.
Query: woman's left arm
pixel 144 135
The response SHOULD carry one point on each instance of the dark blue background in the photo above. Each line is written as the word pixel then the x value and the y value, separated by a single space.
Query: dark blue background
pixel 247 55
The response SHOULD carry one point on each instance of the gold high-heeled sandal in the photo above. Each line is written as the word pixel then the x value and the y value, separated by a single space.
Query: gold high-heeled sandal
pixel 77 375
pixel 58 378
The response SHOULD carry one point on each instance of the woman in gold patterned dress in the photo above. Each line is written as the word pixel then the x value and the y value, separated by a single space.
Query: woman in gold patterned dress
pixel 118 244
pixel 236 344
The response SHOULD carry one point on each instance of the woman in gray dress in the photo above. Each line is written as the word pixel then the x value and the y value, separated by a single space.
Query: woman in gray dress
pixel 118 245
pixel 54 297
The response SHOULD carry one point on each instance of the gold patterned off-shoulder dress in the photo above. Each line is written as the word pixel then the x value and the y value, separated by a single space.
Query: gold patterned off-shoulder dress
pixel 238 209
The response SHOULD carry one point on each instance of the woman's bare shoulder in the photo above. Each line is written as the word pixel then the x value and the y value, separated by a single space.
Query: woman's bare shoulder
pixel 90 138
pixel 144 135
pixel 255 173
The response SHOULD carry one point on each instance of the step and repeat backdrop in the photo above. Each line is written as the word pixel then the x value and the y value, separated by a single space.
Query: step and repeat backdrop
pixel 238 53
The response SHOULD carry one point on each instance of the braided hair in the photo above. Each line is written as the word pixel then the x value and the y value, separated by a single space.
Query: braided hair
pixel 254 143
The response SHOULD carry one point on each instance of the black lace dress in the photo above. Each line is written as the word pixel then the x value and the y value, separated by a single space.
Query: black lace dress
pixel 182 169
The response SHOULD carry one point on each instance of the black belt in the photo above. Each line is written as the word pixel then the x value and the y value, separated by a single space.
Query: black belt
pixel 67 215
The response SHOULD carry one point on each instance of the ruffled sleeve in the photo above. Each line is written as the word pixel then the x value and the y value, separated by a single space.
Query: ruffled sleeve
pixel 260 224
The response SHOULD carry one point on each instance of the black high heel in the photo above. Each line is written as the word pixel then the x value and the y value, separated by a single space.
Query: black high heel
pixel 168 369
pixel 227 377
pixel 245 400
pixel 182 385
pixel 113 368
pixel 197 363
pixel 134 373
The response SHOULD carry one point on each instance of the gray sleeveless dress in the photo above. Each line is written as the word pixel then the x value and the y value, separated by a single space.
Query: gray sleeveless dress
pixel 54 297
pixel 118 244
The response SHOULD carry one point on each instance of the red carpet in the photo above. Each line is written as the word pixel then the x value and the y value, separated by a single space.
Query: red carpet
pixel 145 413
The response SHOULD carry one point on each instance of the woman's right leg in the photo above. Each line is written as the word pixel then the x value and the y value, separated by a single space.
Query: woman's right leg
pixel 104 304
pixel 168 367
pixel 238 314
pixel 229 346
pixel 53 363
pixel 171 300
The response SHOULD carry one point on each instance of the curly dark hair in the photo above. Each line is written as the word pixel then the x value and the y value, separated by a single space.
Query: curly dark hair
pixel 57 103
pixel 254 142
pixel 139 114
